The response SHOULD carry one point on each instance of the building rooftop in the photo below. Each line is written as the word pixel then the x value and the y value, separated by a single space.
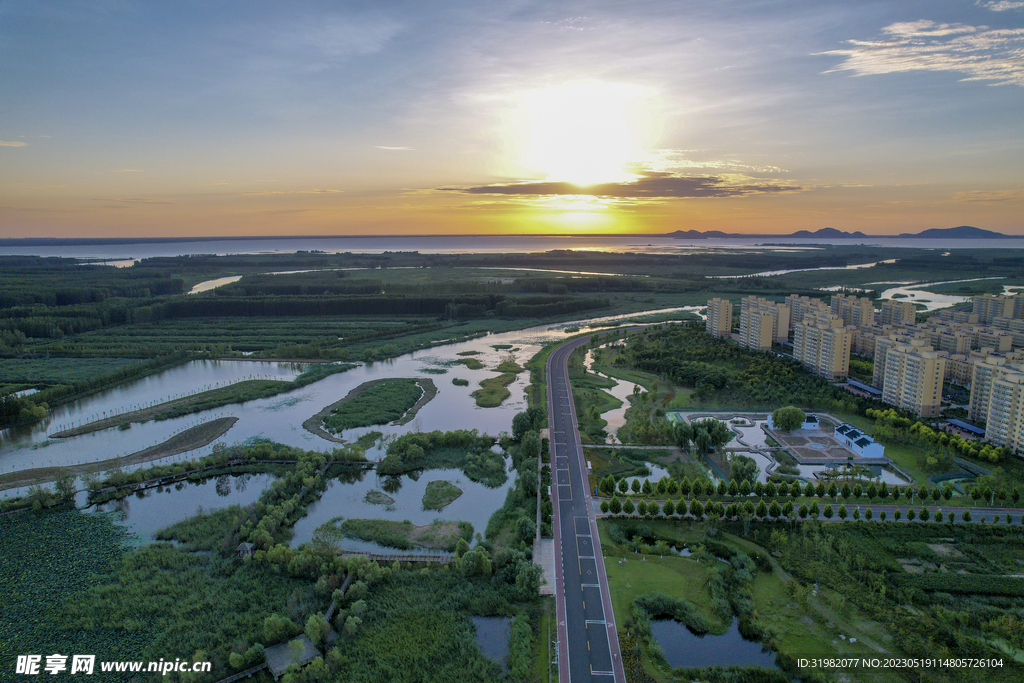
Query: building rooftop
pixel 864 387
pixel 299 651
pixel 966 426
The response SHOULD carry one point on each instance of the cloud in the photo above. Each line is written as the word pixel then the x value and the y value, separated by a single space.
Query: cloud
pixel 1001 5
pixel 126 170
pixel 13 143
pixel 138 200
pixel 651 185
pixel 351 36
pixel 395 149
pixel 978 52
pixel 989 196
pixel 270 192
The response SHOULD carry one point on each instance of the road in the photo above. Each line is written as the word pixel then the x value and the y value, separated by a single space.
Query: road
pixel 588 643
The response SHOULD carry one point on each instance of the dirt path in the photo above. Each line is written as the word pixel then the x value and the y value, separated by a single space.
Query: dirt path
pixel 188 440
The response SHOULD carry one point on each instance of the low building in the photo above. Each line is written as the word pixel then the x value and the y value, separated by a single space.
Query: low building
pixel 859 442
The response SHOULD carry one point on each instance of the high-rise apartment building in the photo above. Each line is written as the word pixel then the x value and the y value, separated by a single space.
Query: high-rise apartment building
pixel 823 343
pixel 983 378
pixel 762 323
pixel 853 310
pixel 882 346
pixel 719 321
pixel 912 378
pixel 1004 420
pixel 992 306
pixel 898 312
pixel 802 306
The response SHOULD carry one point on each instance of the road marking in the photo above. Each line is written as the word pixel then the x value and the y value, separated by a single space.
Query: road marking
pixel 587 557
pixel 596 621
pixel 589 585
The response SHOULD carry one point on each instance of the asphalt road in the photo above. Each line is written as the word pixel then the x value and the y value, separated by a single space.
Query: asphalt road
pixel 588 644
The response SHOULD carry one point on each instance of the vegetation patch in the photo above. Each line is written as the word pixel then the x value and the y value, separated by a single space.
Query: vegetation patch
pixel 440 494
pixel 494 390
pixel 434 371
pixel 367 440
pixel 510 366
pixel 375 497
pixel 471 363
pixel 405 535
pixel 460 382
pixel 468 353
pixel 376 403
pixel 461 449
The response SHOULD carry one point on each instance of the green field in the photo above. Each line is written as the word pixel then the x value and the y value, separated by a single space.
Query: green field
pixel 375 404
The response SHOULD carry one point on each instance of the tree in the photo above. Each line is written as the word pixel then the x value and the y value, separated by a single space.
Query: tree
pixel 947 492
pixel 628 506
pixel 722 488
pixel 758 489
pixel 787 419
pixel 683 436
pixel 605 506
pixel 809 490
pixel 734 488
pixel 762 510
pixel 745 487
pixel 770 489
pixel 696 509
pixel 882 515
pixel 623 486
pixel 685 487
pixel 783 489
pixel 803 511
pixel 669 508
pixel 897 515
pixel 317 629
pixel 616 506
pixel 869 514
pixel 698 488
pixel 896 493
pixel 635 486
pixel 858 491
pixel 815 509
pixel 828 511
pixel 787 509
pixel 883 490
pixel 646 488
pixel 742 467
pixel 65 486
pixel 845 492
pixel 641 508
pixel 842 511
pixel 911 514
pixel 924 514
pixel 872 491
pixel 833 490
pixel 936 493
pixel 820 490
pixel 653 509
pixel 526 529
pixel 966 515
pixel 775 510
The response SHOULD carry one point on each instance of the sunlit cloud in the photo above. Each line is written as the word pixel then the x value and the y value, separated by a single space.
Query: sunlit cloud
pixel 1001 5
pixel 652 185
pixel 13 143
pixel 989 196
pixel 138 200
pixel 270 192
pixel 394 149
pixel 978 52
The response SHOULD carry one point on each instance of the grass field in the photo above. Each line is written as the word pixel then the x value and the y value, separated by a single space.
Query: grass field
pixel 440 494
pixel 494 390
pixel 33 371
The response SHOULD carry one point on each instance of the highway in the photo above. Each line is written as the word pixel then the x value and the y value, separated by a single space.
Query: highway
pixel 588 643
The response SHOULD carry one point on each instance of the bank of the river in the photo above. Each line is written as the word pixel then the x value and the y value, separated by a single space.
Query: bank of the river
pixel 188 440
pixel 238 392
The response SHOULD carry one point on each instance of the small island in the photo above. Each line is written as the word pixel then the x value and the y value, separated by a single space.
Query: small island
pixel 440 494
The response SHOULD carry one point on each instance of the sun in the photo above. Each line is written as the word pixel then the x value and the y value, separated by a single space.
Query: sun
pixel 583 133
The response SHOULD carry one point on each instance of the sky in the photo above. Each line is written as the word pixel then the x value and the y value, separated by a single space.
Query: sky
pixel 148 119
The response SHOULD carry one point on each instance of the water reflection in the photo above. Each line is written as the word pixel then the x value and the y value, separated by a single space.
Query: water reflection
pixel 684 649
pixel 492 634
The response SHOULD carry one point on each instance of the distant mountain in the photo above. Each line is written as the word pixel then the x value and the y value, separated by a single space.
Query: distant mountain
pixel 830 233
pixel 961 232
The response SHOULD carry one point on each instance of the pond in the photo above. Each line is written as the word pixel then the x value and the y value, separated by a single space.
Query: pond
pixel 159 508
pixel 623 390
pixel 684 649
pixel 346 498
pixel 492 634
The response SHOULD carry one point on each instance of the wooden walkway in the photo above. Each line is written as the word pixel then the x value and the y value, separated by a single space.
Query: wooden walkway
pixel 407 557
